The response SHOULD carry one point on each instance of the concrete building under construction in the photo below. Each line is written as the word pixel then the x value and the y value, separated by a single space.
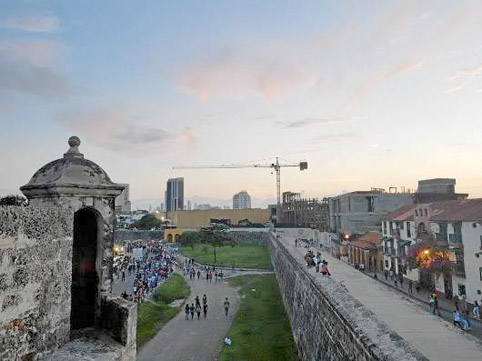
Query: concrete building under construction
pixel 304 212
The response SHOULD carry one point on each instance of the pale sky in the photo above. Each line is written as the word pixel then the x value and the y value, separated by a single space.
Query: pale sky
pixel 370 93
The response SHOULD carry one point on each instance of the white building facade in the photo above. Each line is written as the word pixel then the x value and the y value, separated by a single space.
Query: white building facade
pixel 122 201
pixel 455 226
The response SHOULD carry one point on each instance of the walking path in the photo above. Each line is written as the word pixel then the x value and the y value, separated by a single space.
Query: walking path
pixel 431 335
pixel 200 340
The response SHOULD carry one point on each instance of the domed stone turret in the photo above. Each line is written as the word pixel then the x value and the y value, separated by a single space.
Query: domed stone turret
pixel 72 175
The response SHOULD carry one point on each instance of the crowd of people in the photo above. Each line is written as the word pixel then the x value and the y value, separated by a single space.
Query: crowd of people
pixel 202 272
pixel 154 266
pixel 195 308
pixel 314 260
pixel 460 314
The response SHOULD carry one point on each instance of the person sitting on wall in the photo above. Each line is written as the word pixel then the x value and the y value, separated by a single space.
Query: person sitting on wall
pixel 324 269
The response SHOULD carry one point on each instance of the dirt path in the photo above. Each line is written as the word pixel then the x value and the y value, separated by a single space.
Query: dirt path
pixel 200 340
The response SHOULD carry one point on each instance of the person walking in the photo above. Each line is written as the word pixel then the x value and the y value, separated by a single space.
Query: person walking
pixel 386 275
pixel 226 306
pixel 410 285
pixel 401 281
pixel 123 275
pixel 191 309
pixel 198 310
pixel 456 302
pixel 456 318
pixel 205 299
pixel 186 311
pixel 476 310
pixel 198 274
pixel 464 309
pixel 296 242
pixel 431 300
pixel 205 309
pixel 435 306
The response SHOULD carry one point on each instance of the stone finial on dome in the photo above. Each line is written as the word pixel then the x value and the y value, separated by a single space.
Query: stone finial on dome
pixel 73 152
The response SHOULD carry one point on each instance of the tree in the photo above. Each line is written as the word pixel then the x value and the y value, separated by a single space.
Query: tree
pixel 14 200
pixel 431 255
pixel 216 238
pixel 148 222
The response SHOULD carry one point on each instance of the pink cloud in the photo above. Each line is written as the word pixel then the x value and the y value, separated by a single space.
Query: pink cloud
pixel 400 68
pixel 188 137
pixel 269 70
pixel 464 78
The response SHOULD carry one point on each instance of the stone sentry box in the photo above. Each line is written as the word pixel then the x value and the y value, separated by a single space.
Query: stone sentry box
pixel 56 262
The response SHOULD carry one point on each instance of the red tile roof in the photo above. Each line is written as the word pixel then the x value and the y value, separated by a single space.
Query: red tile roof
pixel 368 240
pixel 363 244
pixel 404 213
pixel 458 210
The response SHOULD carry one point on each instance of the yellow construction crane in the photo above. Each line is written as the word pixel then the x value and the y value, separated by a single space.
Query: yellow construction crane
pixel 276 166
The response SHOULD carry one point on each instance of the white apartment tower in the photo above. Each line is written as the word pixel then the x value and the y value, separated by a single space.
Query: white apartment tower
pixel 241 200
pixel 122 202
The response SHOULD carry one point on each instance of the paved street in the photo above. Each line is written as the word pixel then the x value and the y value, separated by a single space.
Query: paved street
pixel 432 336
pixel 118 286
pixel 198 340
pixel 446 306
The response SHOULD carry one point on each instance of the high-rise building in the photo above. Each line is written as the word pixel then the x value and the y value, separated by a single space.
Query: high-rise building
pixel 241 200
pixel 175 194
pixel 122 202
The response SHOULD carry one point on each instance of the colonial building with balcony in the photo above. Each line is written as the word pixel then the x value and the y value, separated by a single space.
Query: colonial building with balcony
pixel 459 224
pixel 398 233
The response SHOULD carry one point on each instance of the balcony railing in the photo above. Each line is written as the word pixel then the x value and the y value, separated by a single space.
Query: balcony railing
pixel 441 237
pixel 455 238
pixel 458 269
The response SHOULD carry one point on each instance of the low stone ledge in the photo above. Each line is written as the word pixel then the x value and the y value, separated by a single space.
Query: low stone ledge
pixel 327 322
pixel 119 318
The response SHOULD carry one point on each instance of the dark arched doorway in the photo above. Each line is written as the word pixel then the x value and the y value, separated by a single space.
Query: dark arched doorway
pixel 84 275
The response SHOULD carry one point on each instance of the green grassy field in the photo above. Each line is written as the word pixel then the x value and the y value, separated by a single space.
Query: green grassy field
pixel 246 255
pixel 152 315
pixel 261 330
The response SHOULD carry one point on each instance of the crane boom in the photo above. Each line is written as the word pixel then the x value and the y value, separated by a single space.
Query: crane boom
pixel 276 166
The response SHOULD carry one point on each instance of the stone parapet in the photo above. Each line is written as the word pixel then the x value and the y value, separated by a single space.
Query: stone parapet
pixel 119 318
pixel 327 322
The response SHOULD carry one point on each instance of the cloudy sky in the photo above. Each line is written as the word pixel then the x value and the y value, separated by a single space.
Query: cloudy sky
pixel 370 93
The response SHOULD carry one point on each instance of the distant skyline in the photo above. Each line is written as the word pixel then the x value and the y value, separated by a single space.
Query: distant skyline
pixel 371 93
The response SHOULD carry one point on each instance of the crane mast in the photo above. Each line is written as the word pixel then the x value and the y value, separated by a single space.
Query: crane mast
pixel 276 166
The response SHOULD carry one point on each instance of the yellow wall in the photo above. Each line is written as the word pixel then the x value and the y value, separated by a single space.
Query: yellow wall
pixel 202 218
pixel 172 234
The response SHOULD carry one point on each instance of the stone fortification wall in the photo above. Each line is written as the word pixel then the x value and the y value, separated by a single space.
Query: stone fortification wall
pixel 327 322
pixel 245 237
pixel 35 280
pixel 130 235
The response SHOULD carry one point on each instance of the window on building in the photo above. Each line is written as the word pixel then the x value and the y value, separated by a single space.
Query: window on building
pixel 409 233
pixel 461 289
pixel 426 212
pixel 370 204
